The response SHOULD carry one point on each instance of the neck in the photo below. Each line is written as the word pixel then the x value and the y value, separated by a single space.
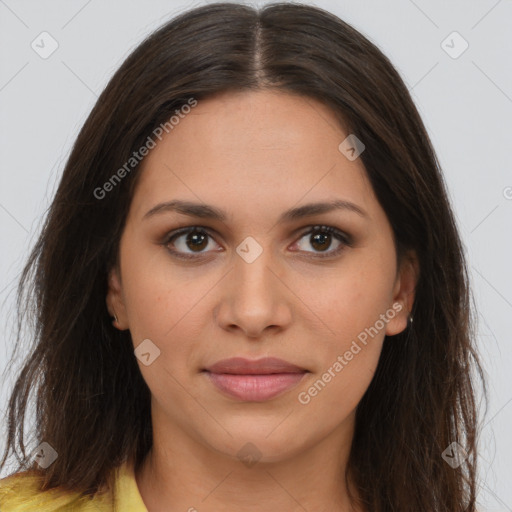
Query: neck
pixel 186 475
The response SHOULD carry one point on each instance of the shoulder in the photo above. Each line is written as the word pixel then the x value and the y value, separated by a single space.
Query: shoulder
pixel 21 492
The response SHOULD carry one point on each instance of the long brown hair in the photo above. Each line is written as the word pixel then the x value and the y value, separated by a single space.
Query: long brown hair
pixel 92 404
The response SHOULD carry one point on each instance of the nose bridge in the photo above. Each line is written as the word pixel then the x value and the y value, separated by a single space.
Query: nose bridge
pixel 252 268
pixel 254 298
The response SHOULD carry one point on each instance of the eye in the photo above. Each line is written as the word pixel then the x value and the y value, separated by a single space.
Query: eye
pixel 196 240
pixel 191 242
pixel 320 238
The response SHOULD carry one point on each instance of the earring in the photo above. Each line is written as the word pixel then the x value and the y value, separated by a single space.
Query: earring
pixel 115 321
pixel 410 319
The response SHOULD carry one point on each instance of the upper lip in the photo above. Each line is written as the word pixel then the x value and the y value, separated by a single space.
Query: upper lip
pixel 242 366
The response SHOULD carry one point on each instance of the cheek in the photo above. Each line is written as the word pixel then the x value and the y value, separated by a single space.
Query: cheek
pixel 352 298
pixel 156 294
pixel 334 394
pixel 169 307
pixel 347 359
pixel 165 307
pixel 350 309
pixel 349 353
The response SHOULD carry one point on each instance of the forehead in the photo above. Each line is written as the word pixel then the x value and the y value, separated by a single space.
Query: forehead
pixel 263 148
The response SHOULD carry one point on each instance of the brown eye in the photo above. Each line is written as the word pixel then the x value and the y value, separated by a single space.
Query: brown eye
pixel 321 239
pixel 196 240
pixel 186 242
pixel 192 242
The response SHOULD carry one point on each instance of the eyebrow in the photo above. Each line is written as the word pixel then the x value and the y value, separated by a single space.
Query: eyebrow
pixel 205 211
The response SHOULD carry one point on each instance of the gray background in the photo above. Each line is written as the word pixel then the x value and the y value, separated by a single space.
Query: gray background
pixel 466 103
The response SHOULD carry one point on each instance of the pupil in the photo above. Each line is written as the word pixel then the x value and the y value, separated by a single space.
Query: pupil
pixel 197 239
pixel 322 237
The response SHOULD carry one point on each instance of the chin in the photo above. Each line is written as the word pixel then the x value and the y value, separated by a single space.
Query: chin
pixel 255 444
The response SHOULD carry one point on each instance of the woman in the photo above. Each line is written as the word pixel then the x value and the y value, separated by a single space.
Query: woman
pixel 250 291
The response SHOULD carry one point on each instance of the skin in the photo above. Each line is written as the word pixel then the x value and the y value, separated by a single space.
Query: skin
pixel 255 155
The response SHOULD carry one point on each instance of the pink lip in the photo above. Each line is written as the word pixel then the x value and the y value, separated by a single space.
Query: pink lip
pixel 258 380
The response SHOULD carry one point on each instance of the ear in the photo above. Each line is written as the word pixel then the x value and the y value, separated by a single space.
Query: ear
pixel 115 299
pixel 404 293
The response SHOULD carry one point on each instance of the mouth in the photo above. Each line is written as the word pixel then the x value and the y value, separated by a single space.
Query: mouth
pixel 254 380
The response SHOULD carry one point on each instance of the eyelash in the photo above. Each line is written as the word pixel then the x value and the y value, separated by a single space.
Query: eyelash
pixel 345 239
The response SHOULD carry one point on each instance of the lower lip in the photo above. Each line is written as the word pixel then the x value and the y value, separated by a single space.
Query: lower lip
pixel 255 388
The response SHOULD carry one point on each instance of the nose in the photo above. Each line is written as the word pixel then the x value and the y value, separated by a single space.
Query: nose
pixel 255 298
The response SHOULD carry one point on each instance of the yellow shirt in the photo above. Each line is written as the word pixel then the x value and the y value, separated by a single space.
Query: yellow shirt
pixel 18 493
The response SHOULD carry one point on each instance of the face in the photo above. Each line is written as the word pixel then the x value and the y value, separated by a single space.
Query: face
pixel 318 289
